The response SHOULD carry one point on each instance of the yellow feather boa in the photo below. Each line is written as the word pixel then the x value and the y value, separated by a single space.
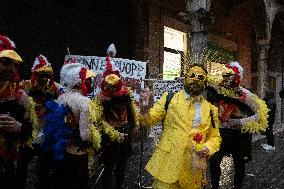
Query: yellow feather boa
pixel 261 123
pixel 96 136
pixel 33 119
pixel 96 117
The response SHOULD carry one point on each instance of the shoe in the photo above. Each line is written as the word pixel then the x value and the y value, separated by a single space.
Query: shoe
pixel 269 148
pixel 264 145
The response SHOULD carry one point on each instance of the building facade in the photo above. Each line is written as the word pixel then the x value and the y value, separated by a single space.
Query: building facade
pixel 161 32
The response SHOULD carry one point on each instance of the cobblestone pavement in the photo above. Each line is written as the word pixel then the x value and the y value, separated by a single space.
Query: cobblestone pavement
pixel 265 171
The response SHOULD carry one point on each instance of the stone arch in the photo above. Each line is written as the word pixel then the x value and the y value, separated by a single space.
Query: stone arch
pixel 277 42
pixel 260 19
pixel 275 62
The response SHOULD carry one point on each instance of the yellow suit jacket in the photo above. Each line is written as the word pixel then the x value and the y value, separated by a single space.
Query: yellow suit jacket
pixel 176 141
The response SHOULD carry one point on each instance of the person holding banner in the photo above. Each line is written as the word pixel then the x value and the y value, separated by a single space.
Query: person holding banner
pixel 190 135
pixel 114 112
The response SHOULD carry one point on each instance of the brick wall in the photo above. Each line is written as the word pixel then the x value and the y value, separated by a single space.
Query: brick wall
pixel 237 24
pixel 233 31
pixel 136 28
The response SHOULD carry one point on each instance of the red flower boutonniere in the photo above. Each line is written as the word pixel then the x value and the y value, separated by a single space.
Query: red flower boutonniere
pixel 198 138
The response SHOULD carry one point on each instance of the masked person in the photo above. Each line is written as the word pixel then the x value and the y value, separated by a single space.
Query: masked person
pixel 190 135
pixel 271 104
pixel 42 88
pixel 17 116
pixel 115 114
pixel 241 113
pixel 68 134
pixel 90 83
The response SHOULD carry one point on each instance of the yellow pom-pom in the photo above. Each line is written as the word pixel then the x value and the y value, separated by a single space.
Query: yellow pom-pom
pixel 112 79
pixel 198 147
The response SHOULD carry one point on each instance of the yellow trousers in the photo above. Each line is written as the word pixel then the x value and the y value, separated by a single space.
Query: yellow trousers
pixel 188 179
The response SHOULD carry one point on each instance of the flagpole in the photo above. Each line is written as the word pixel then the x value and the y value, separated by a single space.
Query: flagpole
pixel 68 51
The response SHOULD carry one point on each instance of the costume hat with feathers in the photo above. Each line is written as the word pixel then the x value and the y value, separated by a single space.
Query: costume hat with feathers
pixel 7 47
pixel 72 75
pixel 41 64
pixel 237 69
pixel 6 43
pixel 112 84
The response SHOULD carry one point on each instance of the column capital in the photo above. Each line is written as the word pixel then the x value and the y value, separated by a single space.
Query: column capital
pixel 193 5
pixel 263 48
pixel 263 43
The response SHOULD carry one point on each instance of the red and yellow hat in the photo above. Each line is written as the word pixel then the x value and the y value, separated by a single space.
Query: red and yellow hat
pixel 6 43
pixel 112 84
pixel 11 54
pixel 41 64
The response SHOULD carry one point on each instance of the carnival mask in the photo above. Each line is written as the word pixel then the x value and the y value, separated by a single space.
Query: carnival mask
pixel 230 78
pixel 6 69
pixel 195 80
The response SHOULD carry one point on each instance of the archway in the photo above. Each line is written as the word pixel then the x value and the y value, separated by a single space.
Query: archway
pixel 275 63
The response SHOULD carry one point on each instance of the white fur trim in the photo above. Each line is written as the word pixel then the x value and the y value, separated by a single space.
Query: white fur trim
pixel 11 42
pixel 79 106
pixel 240 68
pixel 69 75
pixel 36 62
pixel 111 48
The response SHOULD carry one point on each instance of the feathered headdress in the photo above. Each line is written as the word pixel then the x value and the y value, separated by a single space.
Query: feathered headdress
pixel 6 43
pixel 11 54
pixel 237 69
pixel 112 85
pixel 16 59
pixel 111 50
pixel 73 74
pixel 41 64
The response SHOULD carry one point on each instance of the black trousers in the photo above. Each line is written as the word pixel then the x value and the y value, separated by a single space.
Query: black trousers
pixel 269 135
pixel 7 174
pixel 115 157
pixel 239 145
pixel 70 173
pixel 26 155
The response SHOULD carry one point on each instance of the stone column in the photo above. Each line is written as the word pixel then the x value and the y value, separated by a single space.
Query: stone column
pixel 263 48
pixel 199 19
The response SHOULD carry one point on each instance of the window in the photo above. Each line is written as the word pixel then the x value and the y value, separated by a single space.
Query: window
pixel 174 48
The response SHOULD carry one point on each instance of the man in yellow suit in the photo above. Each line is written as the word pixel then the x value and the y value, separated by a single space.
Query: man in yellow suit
pixel 190 135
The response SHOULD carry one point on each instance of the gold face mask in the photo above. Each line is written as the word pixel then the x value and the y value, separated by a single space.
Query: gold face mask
pixel 195 80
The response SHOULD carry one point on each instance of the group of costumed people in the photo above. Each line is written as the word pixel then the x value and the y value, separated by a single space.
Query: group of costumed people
pixel 64 124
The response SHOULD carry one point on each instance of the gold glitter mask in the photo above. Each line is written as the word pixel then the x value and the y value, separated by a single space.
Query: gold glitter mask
pixel 195 80
pixel 196 73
